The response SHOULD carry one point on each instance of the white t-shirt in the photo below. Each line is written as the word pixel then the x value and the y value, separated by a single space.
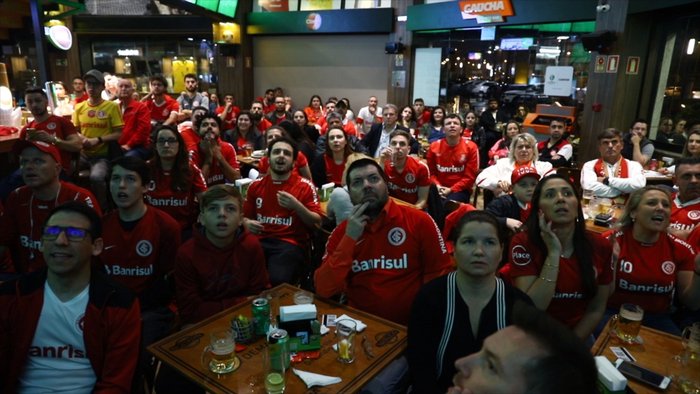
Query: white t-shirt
pixel 57 361
pixel 368 118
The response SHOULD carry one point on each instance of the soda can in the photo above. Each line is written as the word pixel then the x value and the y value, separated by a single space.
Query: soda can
pixel 278 342
pixel 261 316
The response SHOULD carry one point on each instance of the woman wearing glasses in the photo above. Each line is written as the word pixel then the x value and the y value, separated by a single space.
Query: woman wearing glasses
pixel 177 183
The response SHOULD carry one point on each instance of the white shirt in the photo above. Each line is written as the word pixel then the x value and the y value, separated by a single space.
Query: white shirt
pixel 616 186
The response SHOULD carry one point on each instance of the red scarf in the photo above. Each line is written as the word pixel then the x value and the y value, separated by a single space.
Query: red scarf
pixel 620 169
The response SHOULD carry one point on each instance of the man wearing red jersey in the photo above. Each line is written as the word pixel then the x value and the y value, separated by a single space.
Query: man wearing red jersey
pixel 79 94
pixel 187 128
pixel 409 179
pixel 259 120
pixel 28 206
pixel 135 138
pixel 282 209
pixel 384 252
pixel 228 112
pixel 163 108
pixel 422 114
pixel 453 162
pixel 685 210
pixel 216 158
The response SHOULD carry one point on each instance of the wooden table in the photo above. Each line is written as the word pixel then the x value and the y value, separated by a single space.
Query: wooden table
pixel 248 160
pixel 656 354
pixel 248 377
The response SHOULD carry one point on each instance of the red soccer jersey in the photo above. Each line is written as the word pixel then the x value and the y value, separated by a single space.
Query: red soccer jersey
pixel 229 121
pixel 138 257
pixel 54 125
pixel 404 186
pixel 383 270
pixel 281 223
pixel 684 216
pixel 160 113
pixel 453 166
pixel 299 163
pixel 137 125
pixel 216 173
pixel 349 127
pixel 263 125
pixel 181 205
pixel 190 136
pixel 646 274
pixel 568 303
pixel 24 219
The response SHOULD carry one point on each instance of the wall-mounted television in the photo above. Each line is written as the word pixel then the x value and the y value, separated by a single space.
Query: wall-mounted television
pixel 517 44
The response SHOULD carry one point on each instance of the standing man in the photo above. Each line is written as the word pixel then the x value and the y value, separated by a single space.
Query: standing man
pixel 282 209
pixel 492 120
pixel 191 98
pixel 369 115
pixel 135 139
pixel 422 114
pixel 407 178
pixel 259 120
pixel 453 162
pixel 612 175
pixel 384 252
pixel 685 210
pixel 162 107
pixel 280 113
pixel 637 146
pixel 378 137
pixel 557 149
pixel 215 157
pixel 100 123
pixel 28 206
pixel 68 325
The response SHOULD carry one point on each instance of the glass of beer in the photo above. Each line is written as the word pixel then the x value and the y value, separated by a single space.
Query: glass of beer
pixel 220 355
pixel 345 330
pixel 275 370
pixel 248 149
pixel 629 321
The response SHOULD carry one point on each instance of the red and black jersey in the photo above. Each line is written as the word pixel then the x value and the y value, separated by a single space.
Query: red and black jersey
pixel 404 185
pixel 281 223
pixel 54 125
pixel 21 225
pixel 453 166
pixel 216 173
pixel 181 205
pixel 161 113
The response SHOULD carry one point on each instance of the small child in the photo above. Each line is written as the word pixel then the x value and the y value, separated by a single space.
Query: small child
pixel 513 209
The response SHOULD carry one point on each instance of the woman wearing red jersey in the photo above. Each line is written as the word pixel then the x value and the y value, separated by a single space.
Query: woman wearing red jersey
pixel 471 124
pixel 177 183
pixel 652 264
pixel 302 120
pixel 314 112
pixel 501 148
pixel 329 166
pixel 564 269
pixel 244 134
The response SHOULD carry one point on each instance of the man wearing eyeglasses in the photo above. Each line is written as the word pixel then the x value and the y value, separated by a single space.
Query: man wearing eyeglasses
pixel 28 206
pixel 68 326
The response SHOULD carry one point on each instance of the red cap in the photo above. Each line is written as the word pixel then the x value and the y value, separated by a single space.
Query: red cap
pixel 21 145
pixel 522 172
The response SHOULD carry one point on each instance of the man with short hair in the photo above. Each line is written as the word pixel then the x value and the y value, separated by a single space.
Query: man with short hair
pixel 535 355
pixel 259 120
pixel 492 119
pixel 384 252
pixel 68 326
pixel 453 162
pixel 378 137
pixel 612 175
pixel 268 101
pixel 280 113
pixel 228 112
pixel 215 157
pixel 685 209
pixel 556 149
pixel 341 109
pixel 28 206
pixel 422 114
pixel 282 209
pixel 79 94
pixel 408 178
pixel 162 107
pixel 369 115
pixel 135 139
pixel 191 98
pixel 637 146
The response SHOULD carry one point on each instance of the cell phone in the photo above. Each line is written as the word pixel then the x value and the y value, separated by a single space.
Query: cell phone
pixel 643 375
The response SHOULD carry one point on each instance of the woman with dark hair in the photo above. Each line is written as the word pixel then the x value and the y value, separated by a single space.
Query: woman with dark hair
pixel 301 119
pixel 453 314
pixel 653 265
pixel 314 112
pixel 244 134
pixel 501 148
pixel 349 113
pixel 305 145
pixel 690 149
pixel 407 119
pixel 563 268
pixel 329 166
pixel 433 129
pixel 177 183
pixel 471 126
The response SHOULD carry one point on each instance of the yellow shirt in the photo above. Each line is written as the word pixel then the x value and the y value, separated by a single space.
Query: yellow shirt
pixel 97 121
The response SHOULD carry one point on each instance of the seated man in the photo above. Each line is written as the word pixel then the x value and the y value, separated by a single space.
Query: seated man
pixel 512 210
pixel 685 210
pixel 611 175
pixel 636 145
pixel 282 209
pixel 163 108
pixel 28 206
pixel 453 162
pixel 408 178
pixel 384 252
pixel 70 327
pixel 222 263
pixel 536 355
pixel 215 157
pixel 556 149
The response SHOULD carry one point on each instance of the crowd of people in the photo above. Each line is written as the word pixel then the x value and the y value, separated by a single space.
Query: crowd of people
pixel 125 219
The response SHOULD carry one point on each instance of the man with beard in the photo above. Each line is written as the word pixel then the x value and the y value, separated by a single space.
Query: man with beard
pixel 491 120
pixel 282 209
pixel 216 158
pixel 162 107
pixel 408 178
pixel 280 113
pixel 191 98
pixel 685 209
pixel 134 140
pixel 636 145
pixel 259 120
pixel 557 149
pixel 384 252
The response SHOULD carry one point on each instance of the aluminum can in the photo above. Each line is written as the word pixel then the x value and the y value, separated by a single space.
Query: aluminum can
pixel 278 342
pixel 261 316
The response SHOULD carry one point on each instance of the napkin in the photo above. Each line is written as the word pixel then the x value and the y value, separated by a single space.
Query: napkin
pixel 358 323
pixel 324 329
pixel 314 379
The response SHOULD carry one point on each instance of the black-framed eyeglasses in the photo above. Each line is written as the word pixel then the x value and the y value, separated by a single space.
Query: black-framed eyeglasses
pixel 74 234
pixel 169 141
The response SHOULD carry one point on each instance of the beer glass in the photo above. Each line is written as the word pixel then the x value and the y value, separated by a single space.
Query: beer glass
pixel 275 369
pixel 691 340
pixel 629 321
pixel 345 340
pixel 220 355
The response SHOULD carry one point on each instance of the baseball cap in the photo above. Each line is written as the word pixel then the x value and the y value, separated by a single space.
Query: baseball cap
pixel 21 145
pixel 522 172
pixel 94 74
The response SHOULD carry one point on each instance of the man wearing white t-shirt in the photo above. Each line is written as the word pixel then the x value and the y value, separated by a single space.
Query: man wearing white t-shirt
pixel 369 115
pixel 68 328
